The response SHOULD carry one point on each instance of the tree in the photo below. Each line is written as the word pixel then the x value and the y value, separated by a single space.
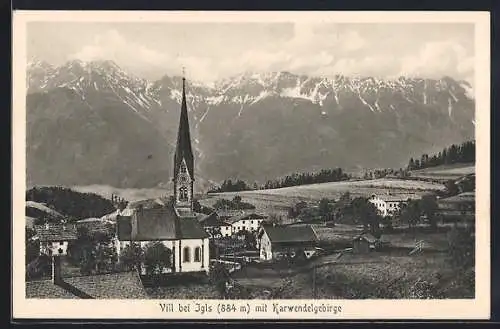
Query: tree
pixel 32 245
pixel 366 213
pixel 105 257
pixel 461 247
pixel 250 239
pixel 157 258
pixel 451 188
pixel 237 199
pixel 411 164
pixel 131 256
pixel 325 209
pixel 428 206
pixel 275 219
pixel 410 214
pixel 218 277
pixel 294 211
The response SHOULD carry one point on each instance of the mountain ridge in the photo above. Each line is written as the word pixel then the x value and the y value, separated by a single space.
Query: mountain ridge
pixel 329 118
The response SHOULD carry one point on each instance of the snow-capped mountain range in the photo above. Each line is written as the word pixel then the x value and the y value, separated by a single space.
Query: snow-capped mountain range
pixel 244 89
pixel 327 109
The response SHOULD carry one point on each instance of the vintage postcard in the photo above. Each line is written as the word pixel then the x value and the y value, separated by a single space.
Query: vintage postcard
pixel 251 165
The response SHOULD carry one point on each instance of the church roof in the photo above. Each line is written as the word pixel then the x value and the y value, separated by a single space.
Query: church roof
pixel 158 224
pixel 183 148
pixel 191 229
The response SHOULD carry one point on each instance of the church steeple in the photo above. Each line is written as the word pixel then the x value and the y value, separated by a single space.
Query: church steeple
pixel 183 158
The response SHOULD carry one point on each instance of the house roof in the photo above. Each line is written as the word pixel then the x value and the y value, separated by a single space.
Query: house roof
pixel 366 236
pixel 159 224
pixel 462 197
pixel 246 216
pixel 124 285
pixel 393 198
pixel 213 220
pixel 56 232
pixel 226 213
pixel 96 225
pixel 46 289
pixel 280 234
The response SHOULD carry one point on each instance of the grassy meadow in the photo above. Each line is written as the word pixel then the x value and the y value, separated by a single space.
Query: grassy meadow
pixel 445 172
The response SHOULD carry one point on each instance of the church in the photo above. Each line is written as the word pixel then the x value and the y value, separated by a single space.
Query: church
pixel 174 224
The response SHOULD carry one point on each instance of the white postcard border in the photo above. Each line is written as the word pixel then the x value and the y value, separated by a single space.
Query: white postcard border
pixel 478 308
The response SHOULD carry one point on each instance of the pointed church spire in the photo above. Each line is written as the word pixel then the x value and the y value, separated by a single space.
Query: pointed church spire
pixel 183 148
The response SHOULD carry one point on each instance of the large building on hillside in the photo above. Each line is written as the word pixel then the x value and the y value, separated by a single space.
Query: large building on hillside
pixel 387 204
pixel 249 222
pixel 173 223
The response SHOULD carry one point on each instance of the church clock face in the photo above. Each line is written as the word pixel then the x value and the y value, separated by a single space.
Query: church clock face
pixel 183 178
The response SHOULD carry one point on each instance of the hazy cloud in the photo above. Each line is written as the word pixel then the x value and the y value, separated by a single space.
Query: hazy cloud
pixel 212 51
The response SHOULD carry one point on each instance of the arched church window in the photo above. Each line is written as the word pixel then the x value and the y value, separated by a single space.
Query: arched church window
pixel 187 255
pixel 197 254
pixel 183 193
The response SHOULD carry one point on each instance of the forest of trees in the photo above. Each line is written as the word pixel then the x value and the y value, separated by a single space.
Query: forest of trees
pixel 463 153
pixel 229 186
pixel 295 179
pixel 235 204
pixel 75 205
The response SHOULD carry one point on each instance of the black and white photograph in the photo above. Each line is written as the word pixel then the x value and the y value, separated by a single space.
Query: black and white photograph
pixel 235 162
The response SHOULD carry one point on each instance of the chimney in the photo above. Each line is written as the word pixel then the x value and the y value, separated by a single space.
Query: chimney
pixel 56 270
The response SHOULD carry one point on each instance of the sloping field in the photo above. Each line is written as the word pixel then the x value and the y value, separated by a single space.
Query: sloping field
pixel 445 172
pixel 43 208
pixel 284 197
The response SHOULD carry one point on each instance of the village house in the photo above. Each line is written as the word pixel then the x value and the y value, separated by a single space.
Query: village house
pixel 387 204
pixel 172 222
pixel 249 222
pixel 216 227
pixel 276 242
pixel 55 238
pixel 461 206
pixel 364 243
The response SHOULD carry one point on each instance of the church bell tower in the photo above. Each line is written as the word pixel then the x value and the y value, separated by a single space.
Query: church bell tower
pixel 183 161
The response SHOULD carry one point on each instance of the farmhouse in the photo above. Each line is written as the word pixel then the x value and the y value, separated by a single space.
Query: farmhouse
pixel 387 204
pixel 246 222
pixel 460 206
pixel 216 227
pixel 276 242
pixel 364 243
pixel 54 238
pixel 173 222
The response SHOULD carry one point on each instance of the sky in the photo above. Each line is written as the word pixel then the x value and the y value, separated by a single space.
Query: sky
pixel 210 51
